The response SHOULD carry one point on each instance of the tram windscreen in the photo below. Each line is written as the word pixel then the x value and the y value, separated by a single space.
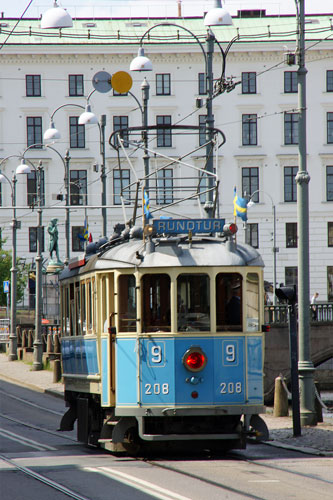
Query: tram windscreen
pixel 193 312
pixel 229 288
pixel 156 303
pixel 252 302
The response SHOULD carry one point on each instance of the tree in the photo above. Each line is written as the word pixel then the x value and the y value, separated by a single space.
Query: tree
pixel 5 267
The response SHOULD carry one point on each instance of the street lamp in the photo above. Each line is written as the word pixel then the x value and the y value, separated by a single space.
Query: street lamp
pixel 13 271
pixel 274 249
pixel 38 344
pixel 142 63
pixel 56 17
pixel 87 117
pixel 305 365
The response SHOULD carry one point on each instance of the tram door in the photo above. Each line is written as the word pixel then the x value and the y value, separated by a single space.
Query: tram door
pixel 108 337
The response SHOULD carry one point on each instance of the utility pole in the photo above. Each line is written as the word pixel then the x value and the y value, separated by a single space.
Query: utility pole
pixel 210 40
pixel 38 344
pixel 13 283
pixel 67 221
pixel 305 365
pixel 102 123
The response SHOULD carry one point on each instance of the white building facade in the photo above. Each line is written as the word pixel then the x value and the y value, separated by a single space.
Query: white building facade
pixel 42 71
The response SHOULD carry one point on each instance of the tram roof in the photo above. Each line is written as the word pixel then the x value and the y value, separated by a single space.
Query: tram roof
pixel 170 253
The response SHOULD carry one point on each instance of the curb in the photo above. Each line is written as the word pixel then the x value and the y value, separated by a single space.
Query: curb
pixel 27 385
pixel 300 449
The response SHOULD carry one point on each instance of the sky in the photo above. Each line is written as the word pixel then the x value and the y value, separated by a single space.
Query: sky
pixel 117 8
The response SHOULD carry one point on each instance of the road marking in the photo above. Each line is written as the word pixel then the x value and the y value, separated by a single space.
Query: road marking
pixel 23 440
pixel 139 484
pixel 264 481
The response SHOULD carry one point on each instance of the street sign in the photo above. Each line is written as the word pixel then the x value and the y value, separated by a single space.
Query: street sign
pixel 6 287
pixel 183 226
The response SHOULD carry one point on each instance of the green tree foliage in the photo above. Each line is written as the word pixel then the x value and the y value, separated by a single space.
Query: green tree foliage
pixel 21 276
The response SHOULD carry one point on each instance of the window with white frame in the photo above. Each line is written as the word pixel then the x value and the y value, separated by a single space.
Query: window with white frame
pixel 77 138
pixel 290 128
pixel 34 131
pixel 290 82
pixel 252 234
pixel 249 130
pixel 163 84
pixel 164 186
pixel 75 85
pixel 249 82
pixel 121 180
pixel 290 188
pixel 33 85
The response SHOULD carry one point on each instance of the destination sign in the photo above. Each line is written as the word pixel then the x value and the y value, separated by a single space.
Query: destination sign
pixel 184 226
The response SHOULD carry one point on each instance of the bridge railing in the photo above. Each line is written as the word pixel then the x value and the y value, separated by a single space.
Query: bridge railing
pixel 319 314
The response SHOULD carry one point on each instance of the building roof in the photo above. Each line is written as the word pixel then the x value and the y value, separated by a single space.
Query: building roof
pixel 89 31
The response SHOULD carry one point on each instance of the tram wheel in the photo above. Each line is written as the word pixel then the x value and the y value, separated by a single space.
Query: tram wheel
pixel 131 442
pixel 260 428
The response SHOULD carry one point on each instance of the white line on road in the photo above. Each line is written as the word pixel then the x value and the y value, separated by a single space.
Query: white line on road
pixel 23 440
pixel 139 484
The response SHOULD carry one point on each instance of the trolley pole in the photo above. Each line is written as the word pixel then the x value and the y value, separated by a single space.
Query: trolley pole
pixel 209 205
pixel 67 220
pixel 102 123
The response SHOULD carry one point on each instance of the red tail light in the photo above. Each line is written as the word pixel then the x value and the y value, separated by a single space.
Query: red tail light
pixel 194 359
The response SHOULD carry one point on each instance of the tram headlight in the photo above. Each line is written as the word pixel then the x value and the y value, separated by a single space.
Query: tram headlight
pixel 194 359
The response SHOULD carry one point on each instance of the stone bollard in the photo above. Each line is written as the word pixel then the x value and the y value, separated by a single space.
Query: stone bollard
pixel 49 345
pixel 30 339
pixel 56 370
pixel 318 407
pixel 280 399
pixel 56 343
pixel 24 339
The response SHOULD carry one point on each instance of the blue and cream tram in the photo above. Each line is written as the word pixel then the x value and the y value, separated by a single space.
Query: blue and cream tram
pixel 162 337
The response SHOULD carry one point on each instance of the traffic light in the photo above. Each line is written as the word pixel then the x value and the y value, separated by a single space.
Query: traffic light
pixel 287 293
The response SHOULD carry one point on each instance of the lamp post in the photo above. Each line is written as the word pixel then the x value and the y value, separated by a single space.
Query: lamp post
pixel 274 249
pixel 12 356
pixel 38 344
pixel 305 365
pixel 87 117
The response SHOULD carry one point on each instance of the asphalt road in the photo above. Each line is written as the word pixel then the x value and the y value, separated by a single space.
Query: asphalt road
pixel 37 461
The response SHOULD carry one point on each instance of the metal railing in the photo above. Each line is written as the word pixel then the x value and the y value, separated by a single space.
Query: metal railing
pixel 319 314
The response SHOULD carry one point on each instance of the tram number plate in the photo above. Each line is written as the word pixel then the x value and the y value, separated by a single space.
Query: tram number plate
pixel 156 389
pixel 231 387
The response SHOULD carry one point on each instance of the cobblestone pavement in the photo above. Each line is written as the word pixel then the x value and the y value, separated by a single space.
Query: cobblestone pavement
pixel 317 439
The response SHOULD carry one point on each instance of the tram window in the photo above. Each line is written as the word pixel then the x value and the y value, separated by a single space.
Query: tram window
pixel 78 324
pixel 127 303
pixel 83 309
pixel 229 294
pixel 156 303
pixel 72 310
pixel 89 312
pixel 193 313
pixel 252 302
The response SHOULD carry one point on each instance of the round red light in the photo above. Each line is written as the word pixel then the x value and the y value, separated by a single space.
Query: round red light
pixel 194 394
pixel 194 359
pixel 233 228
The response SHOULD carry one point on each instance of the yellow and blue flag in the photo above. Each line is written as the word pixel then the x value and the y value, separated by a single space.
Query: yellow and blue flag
pixel 85 235
pixel 146 206
pixel 240 206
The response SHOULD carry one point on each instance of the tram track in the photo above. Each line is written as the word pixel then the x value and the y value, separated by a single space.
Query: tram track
pixel 43 479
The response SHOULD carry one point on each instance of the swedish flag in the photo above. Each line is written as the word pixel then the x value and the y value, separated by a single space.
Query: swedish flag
pixel 146 206
pixel 240 206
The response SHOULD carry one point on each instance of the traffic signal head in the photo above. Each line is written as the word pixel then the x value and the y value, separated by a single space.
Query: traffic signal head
pixel 287 293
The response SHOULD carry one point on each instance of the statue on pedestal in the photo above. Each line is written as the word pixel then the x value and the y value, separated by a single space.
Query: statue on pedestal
pixel 55 264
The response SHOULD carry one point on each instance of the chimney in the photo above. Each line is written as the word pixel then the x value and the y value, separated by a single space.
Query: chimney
pixel 179 8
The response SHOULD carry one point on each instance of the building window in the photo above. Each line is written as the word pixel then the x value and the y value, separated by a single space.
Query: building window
pixel 329 80
pixel 290 276
pixel 78 187
pixel 202 87
pixel 249 82
pixel 32 86
pixel 329 183
pixel 164 186
pixel 250 182
pixel 249 130
pixel 290 128
pixel 330 283
pixel 75 85
pixel 120 123
pixel 32 188
pixel 290 82
pixel 121 179
pixel 34 131
pixel 164 137
pixel 78 238
pixel 252 235
pixel 291 235
pixel 33 239
pixel 0 194
pixel 329 128
pixel 76 133
pixel 330 234
pixel 163 84
pixel 290 190
pixel 202 130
